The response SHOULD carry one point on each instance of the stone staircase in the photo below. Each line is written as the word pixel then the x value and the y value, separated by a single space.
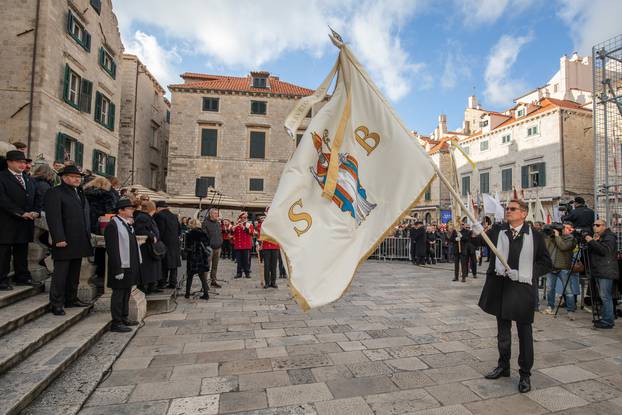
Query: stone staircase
pixel 36 346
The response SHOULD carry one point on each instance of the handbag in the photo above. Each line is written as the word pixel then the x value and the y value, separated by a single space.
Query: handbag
pixel 578 267
pixel 157 249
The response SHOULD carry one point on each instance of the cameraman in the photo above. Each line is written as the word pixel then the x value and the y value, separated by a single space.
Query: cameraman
pixel 581 217
pixel 602 249
pixel 560 247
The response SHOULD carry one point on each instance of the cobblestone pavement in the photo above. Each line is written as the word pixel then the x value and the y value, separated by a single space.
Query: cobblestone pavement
pixel 404 340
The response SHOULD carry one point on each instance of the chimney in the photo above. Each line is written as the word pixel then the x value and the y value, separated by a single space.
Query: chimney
pixel 473 102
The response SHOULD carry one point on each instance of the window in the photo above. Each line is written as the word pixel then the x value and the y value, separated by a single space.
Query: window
pixel 258 145
pixel 310 113
pixel 107 62
pixel 506 179
pixel 484 182
pixel 259 107
pixel 77 91
pixel 97 5
pixel 506 139
pixel 255 185
pixel 483 124
pixel 210 104
pixel 298 138
pixel 68 148
pixel 427 196
pixel 168 116
pixel 155 136
pixel 104 111
pixel 77 31
pixel 103 164
pixel 467 149
pixel 533 130
pixel 555 88
pixel 520 113
pixel 466 185
pixel 533 175
pixel 260 82
pixel 154 176
pixel 211 181
pixel 209 142
pixel 483 145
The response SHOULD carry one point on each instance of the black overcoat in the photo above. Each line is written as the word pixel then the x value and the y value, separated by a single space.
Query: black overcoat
pixel 170 231
pixel 151 267
pixel 41 188
pixel 15 201
pixel 513 300
pixel 67 216
pixel 199 251
pixel 131 275
pixel 418 236
pixel 101 202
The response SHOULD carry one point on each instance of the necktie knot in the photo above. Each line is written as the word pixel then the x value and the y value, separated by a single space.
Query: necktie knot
pixel 20 179
pixel 514 233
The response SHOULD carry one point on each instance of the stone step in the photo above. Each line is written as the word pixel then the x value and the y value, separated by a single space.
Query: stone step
pixel 19 292
pixel 71 390
pixel 17 314
pixel 22 342
pixel 24 382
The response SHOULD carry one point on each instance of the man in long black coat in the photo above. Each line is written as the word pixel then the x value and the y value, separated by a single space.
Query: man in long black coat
pixel 509 299
pixel 170 231
pixel 18 210
pixel 418 243
pixel 460 238
pixel 124 258
pixel 67 216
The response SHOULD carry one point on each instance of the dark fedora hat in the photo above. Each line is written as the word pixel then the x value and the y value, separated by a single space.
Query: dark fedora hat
pixel 123 203
pixel 161 204
pixel 70 170
pixel 15 155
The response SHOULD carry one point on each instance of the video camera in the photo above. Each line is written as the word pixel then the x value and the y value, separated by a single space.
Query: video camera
pixel 565 206
pixel 549 229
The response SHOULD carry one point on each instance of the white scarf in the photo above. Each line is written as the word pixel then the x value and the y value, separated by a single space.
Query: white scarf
pixel 524 273
pixel 124 243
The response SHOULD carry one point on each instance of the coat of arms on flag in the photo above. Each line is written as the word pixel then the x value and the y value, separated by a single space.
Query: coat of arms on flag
pixel 356 172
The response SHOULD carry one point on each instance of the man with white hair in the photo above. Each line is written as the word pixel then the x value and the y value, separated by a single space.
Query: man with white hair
pixel 211 226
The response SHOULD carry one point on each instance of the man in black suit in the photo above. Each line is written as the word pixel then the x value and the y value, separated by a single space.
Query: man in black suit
pixel 124 259
pixel 508 295
pixel 170 231
pixel 18 210
pixel 67 215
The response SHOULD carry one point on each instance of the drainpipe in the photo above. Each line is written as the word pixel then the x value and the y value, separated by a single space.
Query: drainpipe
pixel 32 76
pixel 134 121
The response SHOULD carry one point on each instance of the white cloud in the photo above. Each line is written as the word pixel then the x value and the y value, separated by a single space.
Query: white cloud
pixel 475 12
pixel 590 21
pixel 246 34
pixel 500 88
pixel 455 67
pixel 160 62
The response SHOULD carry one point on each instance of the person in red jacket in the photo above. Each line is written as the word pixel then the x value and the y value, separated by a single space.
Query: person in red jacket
pixel 243 243
pixel 226 230
pixel 270 253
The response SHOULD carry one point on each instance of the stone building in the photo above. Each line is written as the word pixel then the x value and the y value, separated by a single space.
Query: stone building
pixel 230 130
pixel 144 127
pixel 59 87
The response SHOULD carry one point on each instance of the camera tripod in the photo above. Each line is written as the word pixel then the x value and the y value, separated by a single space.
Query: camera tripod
pixel 593 283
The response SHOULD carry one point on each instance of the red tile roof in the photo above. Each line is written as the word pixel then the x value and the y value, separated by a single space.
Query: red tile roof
pixel 239 84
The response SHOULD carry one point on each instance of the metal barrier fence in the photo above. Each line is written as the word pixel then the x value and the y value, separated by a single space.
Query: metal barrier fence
pixel 393 248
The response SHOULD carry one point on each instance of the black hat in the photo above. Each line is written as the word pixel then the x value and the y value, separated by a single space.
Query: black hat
pixel 123 203
pixel 15 155
pixel 70 170
pixel 161 204
pixel 577 199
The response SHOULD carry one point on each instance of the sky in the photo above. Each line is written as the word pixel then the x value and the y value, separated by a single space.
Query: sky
pixel 427 56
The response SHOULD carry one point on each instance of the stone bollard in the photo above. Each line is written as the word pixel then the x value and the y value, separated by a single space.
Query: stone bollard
pixel 37 252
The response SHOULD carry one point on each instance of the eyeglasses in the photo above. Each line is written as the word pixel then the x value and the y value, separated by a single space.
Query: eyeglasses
pixel 512 209
pixel 598 225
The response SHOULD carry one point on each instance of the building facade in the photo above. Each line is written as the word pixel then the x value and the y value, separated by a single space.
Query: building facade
pixel 144 127
pixel 60 88
pixel 230 130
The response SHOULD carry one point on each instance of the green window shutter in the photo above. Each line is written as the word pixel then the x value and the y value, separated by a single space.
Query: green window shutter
pixel 86 93
pixel 524 176
pixel 79 154
pixel 110 165
pixel 111 109
pixel 87 41
pixel 113 71
pixel 60 147
pixel 98 107
pixel 542 173
pixel 94 163
pixel 209 142
pixel 101 56
pixel 66 83
pixel 69 22
pixel 97 5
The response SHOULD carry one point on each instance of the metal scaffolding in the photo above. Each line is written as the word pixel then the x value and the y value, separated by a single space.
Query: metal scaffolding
pixel 607 107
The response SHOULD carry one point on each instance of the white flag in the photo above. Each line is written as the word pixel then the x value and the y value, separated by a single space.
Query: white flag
pixel 539 214
pixel 492 206
pixel 356 172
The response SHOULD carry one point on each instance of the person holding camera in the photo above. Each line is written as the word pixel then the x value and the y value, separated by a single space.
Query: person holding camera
pixel 581 217
pixel 508 294
pixel 560 246
pixel 602 251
